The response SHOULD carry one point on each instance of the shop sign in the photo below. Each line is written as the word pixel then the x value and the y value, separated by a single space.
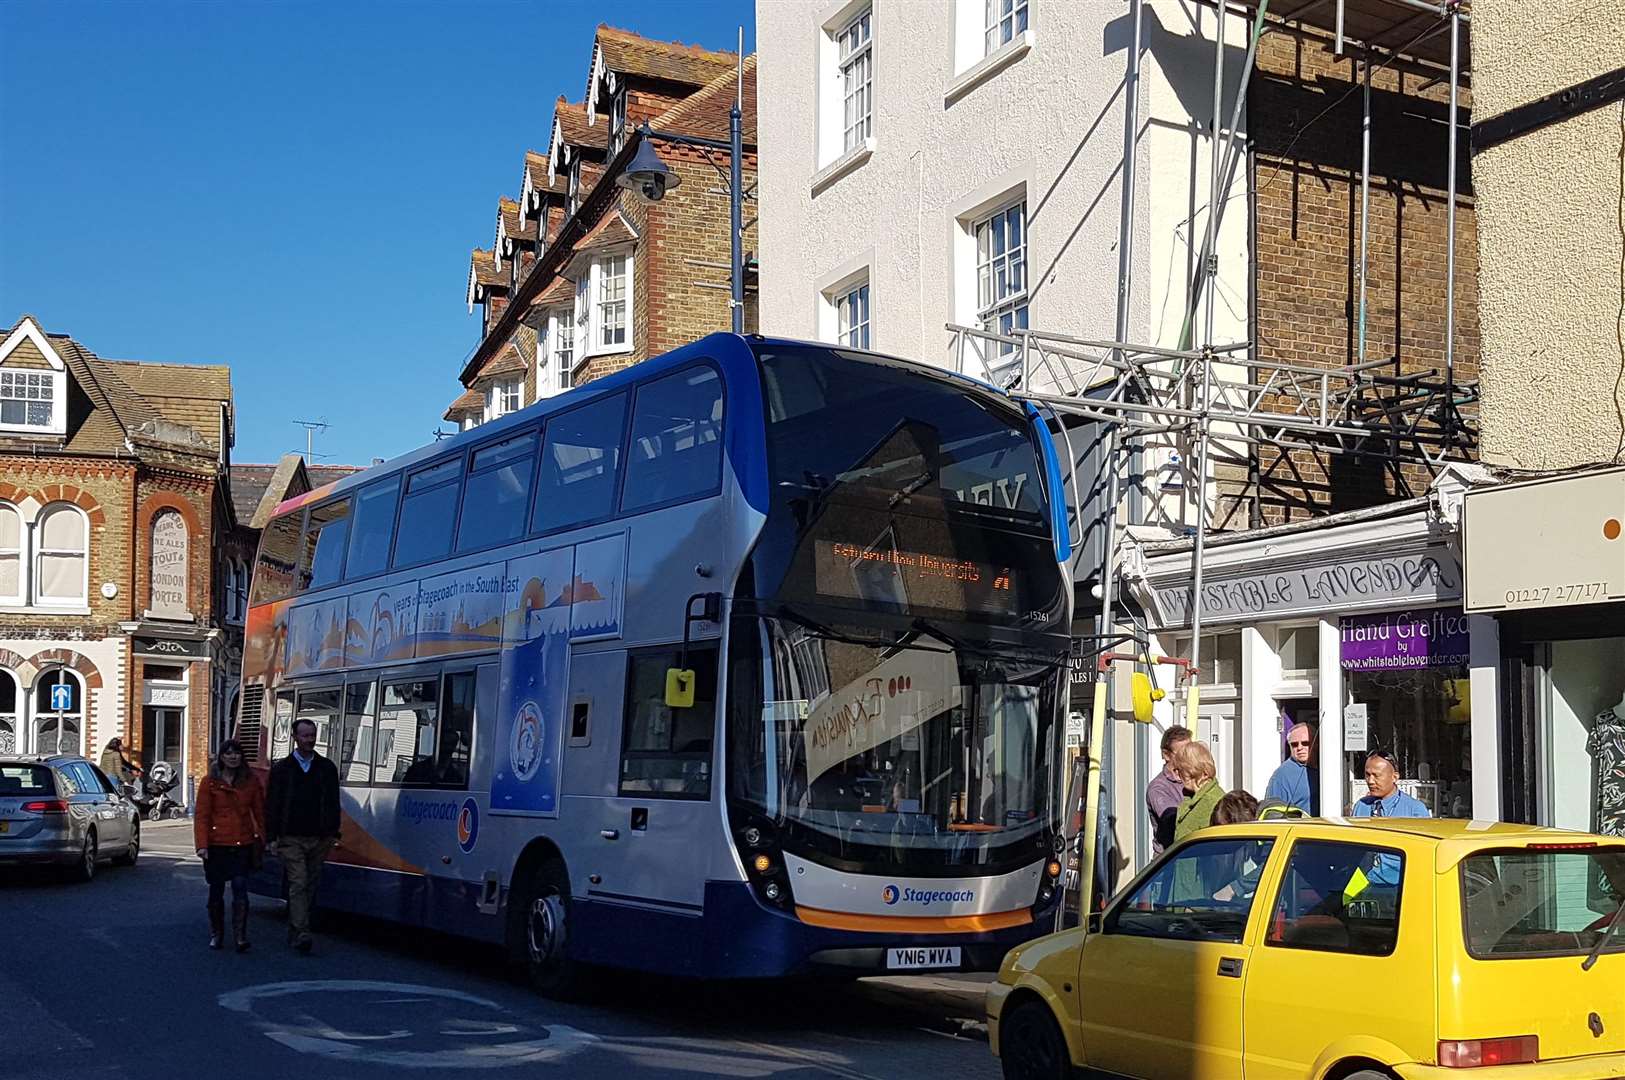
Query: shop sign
pixel 169 569
pixel 1431 575
pixel 1404 640
pixel 1356 728
pixel 172 648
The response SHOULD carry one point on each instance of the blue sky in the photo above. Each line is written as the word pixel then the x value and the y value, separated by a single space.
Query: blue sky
pixel 289 188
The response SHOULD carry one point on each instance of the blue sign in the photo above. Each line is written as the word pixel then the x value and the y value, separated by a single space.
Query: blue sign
pixel 62 697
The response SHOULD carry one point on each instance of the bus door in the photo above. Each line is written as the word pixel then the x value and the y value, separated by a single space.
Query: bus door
pixel 641 775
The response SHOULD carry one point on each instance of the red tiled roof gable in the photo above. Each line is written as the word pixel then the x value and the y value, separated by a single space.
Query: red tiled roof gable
pixel 705 113
pixel 628 53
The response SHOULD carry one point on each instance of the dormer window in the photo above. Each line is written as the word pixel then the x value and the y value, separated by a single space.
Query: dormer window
pixel 575 184
pixel 27 399
pixel 617 123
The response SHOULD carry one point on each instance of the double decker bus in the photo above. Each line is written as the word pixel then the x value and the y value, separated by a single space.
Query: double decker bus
pixel 746 661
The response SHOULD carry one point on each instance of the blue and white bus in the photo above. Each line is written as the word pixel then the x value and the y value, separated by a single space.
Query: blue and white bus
pixel 747 661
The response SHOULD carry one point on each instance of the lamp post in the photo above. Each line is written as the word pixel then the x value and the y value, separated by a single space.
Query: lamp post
pixel 647 177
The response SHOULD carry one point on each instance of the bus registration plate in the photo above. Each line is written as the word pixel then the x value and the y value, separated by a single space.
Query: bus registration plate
pixel 938 957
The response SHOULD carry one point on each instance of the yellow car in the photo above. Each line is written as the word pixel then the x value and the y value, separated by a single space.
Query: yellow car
pixel 1336 950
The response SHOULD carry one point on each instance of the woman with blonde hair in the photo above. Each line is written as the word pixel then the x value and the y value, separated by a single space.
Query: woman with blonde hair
pixel 1194 765
pixel 229 830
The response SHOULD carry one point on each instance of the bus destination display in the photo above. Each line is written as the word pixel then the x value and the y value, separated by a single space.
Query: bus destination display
pixel 881 573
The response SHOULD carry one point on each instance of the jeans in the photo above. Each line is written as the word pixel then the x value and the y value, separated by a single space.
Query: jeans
pixel 302 858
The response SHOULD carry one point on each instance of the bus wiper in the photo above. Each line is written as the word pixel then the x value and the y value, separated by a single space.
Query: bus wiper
pixel 791 616
pixel 1614 924
pixel 925 626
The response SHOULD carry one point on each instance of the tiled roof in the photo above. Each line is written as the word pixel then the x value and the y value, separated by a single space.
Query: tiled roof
pixel 573 127
pixel 485 270
pixel 535 181
pixel 186 394
pixel 248 487
pixel 612 229
pixel 507 361
pixel 627 53
pixel 562 291
pixel 705 113
pixel 555 221
pixel 322 475
pixel 469 403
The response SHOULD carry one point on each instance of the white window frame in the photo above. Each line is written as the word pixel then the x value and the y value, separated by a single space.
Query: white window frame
pixel 50 677
pixel 617 121
pixel 561 337
pixel 591 301
pixel 20 598
pixel 40 551
pixel 1001 27
pixel 852 315
pixel 834 153
pixel 993 305
pixel 855 64
pixel 56 371
pixel 18 713
pixel 503 397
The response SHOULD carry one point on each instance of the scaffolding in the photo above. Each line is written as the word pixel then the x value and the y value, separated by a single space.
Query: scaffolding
pixel 1221 397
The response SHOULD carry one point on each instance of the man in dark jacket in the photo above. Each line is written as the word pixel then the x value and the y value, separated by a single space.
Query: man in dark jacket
pixel 302 824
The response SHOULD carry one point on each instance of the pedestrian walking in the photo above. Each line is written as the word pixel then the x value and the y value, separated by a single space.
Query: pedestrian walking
pixel 1165 791
pixel 1198 774
pixel 1297 781
pixel 302 824
pixel 116 763
pixel 228 829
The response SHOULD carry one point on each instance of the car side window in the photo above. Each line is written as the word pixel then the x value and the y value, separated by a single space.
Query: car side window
pixel 68 782
pixel 101 777
pixel 1338 897
pixel 1202 892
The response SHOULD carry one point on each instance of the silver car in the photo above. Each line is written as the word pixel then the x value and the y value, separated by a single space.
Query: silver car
pixel 63 810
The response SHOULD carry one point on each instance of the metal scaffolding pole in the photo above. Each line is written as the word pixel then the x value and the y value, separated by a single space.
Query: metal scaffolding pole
pixel 1365 197
pixel 1450 227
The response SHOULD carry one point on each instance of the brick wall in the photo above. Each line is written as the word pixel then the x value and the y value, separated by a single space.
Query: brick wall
pixel 1304 116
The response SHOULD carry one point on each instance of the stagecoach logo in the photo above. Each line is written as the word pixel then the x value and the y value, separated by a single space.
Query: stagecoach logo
pixel 892 895
pixel 468 825
pixel 525 746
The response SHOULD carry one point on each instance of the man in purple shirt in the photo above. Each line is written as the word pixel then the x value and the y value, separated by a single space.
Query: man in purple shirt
pixel 1165 792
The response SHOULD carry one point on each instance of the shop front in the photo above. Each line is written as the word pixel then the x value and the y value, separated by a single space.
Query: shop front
pixel 1546 560
pixel 1351 623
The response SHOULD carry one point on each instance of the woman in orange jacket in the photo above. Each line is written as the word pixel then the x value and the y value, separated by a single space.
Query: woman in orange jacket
pixel 229 830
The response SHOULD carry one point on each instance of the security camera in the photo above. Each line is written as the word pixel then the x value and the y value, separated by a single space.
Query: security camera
pixel 652 188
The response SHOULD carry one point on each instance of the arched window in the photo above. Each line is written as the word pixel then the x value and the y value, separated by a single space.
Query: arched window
pixel 9 712
pixel 11 555
pixel 59 712
pixel 60 562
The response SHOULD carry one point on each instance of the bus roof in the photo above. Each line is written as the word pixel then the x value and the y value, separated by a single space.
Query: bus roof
pixel 736 355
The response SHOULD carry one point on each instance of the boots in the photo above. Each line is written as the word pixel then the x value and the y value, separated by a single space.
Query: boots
pixel 217 923
pixel 239 923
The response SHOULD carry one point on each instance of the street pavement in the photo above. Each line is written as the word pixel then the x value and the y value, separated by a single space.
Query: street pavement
pixel 111 981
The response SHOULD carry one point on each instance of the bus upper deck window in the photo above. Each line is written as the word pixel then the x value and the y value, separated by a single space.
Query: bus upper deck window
pixel 428 512
pixel 581 459
pixel 373 528
pixel 676 446
pixel 327 533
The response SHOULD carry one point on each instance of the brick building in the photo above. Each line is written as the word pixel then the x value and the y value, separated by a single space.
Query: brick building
pixel 120 603
pixel 583 277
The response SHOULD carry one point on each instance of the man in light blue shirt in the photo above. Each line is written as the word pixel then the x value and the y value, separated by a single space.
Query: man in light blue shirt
pixel 1384 798
pixel 1297 781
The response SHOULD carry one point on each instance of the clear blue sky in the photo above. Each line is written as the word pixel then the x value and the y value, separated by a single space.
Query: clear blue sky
pixel 289 188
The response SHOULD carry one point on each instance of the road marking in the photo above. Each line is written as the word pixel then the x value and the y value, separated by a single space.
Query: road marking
pixel 403 1025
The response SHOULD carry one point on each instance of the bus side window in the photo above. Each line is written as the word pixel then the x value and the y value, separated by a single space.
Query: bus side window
pixel 282 726
pixel 676 447
pixel 428 511
pixel 373 529
pixel 456 742
pixel 581 461
pixel 405 740
pixel 278 558
pixel 327 533
pixel 355 748
pixel 667 751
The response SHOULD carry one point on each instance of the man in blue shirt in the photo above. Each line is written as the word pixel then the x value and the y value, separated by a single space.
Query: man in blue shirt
pixel 1385 799
pixel 1297 781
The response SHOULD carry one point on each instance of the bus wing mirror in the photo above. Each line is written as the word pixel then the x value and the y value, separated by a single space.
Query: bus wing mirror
pixel 680 688
pixel 1145 696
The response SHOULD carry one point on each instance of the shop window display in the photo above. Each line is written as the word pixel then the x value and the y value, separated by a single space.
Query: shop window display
pixel 1583 736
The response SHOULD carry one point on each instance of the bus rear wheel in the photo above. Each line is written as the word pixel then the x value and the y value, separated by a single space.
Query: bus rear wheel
pixel 539 932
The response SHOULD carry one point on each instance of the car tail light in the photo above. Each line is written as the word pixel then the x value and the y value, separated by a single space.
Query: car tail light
pixel 45 806
pixel 1477 1053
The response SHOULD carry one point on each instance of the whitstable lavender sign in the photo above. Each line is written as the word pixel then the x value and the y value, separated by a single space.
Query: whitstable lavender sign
pixel 1404 640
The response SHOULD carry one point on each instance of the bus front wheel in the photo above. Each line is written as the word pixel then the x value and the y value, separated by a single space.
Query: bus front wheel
pixel 539 943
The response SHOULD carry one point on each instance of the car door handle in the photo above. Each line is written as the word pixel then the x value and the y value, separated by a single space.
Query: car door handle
pixel 610 834
pixel 1230 967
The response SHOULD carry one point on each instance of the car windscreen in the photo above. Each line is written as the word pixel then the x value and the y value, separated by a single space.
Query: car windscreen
pixel 25 780
pixel 1529 902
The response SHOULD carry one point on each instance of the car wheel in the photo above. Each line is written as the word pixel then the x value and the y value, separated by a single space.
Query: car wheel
pixel 85 868
pixel 1031 1045
pixel 1369 1074
pixel 539 932
pixel 134 851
